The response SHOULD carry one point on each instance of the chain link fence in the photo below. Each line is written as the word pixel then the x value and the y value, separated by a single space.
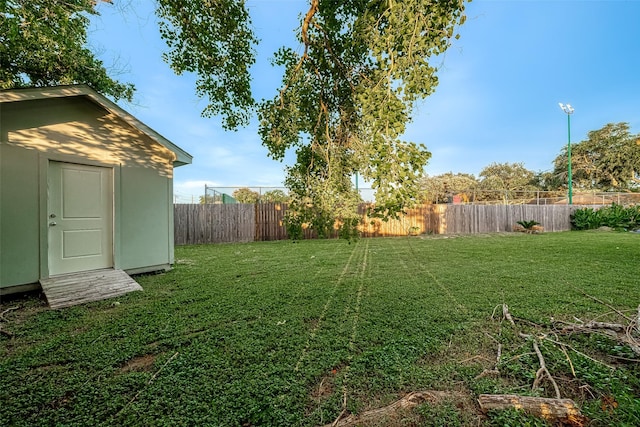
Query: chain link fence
pixel 230 195
pixel 539 197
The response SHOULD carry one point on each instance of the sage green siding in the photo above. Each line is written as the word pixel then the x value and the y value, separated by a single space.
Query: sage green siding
pixel 144 200
pixel 19 224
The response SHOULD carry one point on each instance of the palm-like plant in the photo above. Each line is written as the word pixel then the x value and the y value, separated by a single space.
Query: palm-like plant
pixel 529 226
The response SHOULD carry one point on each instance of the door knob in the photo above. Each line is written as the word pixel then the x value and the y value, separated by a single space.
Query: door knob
pixel 53 224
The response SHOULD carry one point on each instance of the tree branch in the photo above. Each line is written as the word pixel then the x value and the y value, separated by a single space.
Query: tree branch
pixel 543 371
pixel 304 33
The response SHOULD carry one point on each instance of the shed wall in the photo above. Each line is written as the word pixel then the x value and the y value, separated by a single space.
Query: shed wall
pixel 145 199
pixel 19 211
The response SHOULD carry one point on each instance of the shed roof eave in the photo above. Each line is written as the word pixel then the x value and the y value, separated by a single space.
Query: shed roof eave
pixel 26 94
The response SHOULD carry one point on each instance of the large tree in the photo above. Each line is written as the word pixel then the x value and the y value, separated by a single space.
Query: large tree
pixel 246 195
pixel 506 180
pixel 274 196
pixel 43 43
pixel 345 98
pixel 441 188
pixel 609 159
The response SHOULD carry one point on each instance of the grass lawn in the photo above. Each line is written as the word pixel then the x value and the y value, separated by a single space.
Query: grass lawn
pixel 294 334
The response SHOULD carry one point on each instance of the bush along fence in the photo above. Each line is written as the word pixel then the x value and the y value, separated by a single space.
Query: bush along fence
pixel 615 216
pixel 218 223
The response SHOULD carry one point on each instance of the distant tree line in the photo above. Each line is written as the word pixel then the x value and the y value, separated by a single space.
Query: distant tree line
pixel 608 160
pixel 247 195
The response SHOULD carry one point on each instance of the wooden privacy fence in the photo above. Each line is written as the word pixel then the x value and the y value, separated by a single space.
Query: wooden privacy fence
pixel 218 223
pixel 194 224
pixel 469 219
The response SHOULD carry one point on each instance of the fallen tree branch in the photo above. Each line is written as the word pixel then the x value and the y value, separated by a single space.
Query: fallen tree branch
pixel 506 312
pixel 556 409
pixel 161 368
pixel 621 333
pixel 344 408
pixel 579 352
pixel 543 371
pixel 507 315
pixel 494 371
pixel 605 304
pixel 632 343
pixel 494 311
pixel 407 402
pixel 564 350
pixel 7 311
pixel 2 319
pixel 617 327
pixel 563 410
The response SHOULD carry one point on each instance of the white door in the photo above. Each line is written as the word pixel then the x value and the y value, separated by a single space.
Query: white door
pixel 80 218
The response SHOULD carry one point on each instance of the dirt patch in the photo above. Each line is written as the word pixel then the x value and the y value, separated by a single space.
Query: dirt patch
pixel 312 323
pixel 16 310
pixel 324 389
pixel 139 364
pixel 62 401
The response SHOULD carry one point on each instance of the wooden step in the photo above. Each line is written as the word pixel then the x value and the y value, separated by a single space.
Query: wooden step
pixel 78 288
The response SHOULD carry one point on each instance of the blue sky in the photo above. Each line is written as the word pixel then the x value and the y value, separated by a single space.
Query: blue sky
pixel 497 100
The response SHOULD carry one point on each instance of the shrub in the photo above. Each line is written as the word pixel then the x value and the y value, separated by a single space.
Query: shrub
pixel 615 216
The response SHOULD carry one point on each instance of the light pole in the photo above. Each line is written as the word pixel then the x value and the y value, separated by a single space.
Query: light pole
pixel 569 110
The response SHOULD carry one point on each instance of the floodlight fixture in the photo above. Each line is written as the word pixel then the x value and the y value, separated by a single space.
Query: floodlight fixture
pixel 566 108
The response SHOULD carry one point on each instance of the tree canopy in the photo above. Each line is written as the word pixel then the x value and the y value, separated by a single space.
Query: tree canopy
pixel 497 181
pixel 213 39
pixel 43 43
pixel 507 176
pixel 274 196
pixel 609 159
pixel 246 195
pixel 441 188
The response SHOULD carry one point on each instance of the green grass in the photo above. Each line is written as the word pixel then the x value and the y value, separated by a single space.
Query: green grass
pixel 277 333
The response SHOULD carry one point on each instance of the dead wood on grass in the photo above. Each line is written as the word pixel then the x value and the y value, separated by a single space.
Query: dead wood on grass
pixel 409 401
pixel 556 410
pixel 3 319
pixel 623 334
pixel 543 371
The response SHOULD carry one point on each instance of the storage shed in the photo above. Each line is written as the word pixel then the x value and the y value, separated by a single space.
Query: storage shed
pixel 84 186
